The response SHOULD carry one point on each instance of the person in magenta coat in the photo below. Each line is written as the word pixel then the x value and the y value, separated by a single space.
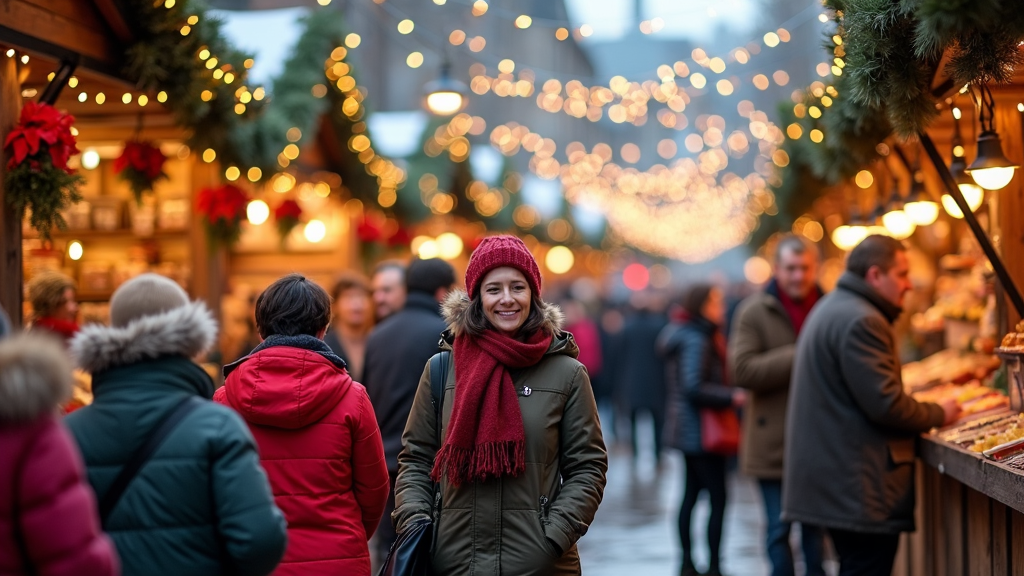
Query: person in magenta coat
pixel 43 492
pixel 316 431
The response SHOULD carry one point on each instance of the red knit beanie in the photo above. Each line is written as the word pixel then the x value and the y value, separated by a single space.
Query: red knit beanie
pixel 497 251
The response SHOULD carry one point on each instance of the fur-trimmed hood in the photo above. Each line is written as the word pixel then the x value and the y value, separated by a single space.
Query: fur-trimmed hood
pixel 186 331
pixel 455 310
pixel 35 377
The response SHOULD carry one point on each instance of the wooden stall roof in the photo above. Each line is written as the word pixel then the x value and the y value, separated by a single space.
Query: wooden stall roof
pixel 94 32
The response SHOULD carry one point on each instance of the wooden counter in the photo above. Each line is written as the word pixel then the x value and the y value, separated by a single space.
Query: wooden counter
pixel 970 516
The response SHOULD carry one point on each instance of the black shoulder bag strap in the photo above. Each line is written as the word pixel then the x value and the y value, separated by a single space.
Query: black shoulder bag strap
pixel 438 379
pixel 143 454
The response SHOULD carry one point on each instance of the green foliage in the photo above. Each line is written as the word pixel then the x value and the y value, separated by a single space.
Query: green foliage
pixel 941 22
pixel 164 60
pixel 222 233
pixel 981 38
pixel 44 190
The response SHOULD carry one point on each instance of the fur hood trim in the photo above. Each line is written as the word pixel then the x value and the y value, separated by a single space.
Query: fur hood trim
pixel 35 377
pixel 455 311
pixel 186 331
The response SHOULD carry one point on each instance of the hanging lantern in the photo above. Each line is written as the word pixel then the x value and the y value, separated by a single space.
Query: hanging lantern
pixel 445 96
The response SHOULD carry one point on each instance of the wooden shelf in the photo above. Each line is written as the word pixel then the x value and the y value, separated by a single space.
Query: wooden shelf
pixel 90 296
pixel 119 234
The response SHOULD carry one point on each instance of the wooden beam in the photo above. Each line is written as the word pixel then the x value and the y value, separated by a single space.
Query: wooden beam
pixel 65 30
pixel 10 223
pixel 113 17
pixel 36 28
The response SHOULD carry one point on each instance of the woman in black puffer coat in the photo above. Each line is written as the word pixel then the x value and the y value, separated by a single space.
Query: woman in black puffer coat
pixel 694 350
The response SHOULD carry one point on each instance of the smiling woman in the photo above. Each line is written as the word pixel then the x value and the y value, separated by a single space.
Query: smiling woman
pixel 521 460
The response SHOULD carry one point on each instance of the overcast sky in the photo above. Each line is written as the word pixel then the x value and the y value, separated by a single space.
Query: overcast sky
pixel 694 19
pixel 270 34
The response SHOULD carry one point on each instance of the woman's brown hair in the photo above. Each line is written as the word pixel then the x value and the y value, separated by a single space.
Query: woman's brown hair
pixel 477 322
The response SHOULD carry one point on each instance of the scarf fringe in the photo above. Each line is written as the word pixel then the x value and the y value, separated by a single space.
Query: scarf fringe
pixel 479 463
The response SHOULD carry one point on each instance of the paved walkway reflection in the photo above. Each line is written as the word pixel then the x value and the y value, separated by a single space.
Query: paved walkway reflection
pixel 635 532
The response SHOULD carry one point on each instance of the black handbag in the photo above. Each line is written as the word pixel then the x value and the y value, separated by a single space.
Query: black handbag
pixel 412 552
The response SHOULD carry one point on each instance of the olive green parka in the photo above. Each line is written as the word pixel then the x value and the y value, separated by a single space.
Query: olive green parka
pixel 512 526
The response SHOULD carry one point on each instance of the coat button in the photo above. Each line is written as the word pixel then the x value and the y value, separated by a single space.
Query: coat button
pixel 527 390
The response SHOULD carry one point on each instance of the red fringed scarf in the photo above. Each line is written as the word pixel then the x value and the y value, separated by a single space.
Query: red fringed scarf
pixel 66 329
pixel 486 438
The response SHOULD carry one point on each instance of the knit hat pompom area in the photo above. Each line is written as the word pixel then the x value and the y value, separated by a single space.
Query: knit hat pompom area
pixel 499 251
pixel 145 295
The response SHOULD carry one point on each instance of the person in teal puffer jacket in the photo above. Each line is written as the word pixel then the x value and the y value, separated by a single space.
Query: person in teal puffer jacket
pixel 201 505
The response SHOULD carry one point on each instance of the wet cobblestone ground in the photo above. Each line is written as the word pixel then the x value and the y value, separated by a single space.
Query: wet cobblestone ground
pixel 635 532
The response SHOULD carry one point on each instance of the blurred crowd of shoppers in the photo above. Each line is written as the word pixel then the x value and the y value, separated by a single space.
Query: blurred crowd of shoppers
pixel 327 435
pixel 291 465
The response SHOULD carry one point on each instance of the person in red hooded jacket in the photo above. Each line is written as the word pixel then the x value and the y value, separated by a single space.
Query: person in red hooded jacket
pixel 49 524
pixel 316 431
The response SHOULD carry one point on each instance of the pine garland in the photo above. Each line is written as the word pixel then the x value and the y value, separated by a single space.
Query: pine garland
pixel 980 36
pixel 45 190
pixel 164 60
pixel 885 87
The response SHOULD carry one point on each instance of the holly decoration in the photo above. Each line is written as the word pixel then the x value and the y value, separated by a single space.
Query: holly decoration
pixel 141 164
pixel 38 177
pixel 287 215
pixel 223 209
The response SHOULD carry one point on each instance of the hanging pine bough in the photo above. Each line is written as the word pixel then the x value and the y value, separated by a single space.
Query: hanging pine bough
pixel 980 38
pixel 183 57
pixel 38 178
pixel 891 51
pixel 141 165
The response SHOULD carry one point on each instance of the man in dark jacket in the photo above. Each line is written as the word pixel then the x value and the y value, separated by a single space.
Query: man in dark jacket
pixel 643 370
pixel 761 348
pixel 201 504
pixel 849 460
pixel 396 353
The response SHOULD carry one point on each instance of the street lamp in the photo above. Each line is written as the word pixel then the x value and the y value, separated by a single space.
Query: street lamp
pixel 445 96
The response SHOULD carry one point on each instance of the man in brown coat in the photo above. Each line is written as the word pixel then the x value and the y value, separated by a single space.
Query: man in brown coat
pixel 761 348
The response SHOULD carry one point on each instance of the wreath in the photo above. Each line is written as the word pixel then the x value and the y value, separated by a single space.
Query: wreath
pixel 38 177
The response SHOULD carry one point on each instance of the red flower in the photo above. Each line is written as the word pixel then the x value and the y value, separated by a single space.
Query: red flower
pixel 401 237
pixel 39 125
pixel 142 157
pixel 289 209
pixel 368 231
pixel 227 202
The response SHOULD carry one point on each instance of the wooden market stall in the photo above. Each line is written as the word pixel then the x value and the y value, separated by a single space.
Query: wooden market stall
pixel 900 76
pixel 72 55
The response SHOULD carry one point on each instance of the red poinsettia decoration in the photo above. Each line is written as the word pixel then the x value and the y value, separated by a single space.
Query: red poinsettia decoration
pixel 42 127
pixel 38 177
pixel 287 215
pixel 401 237
pixel 140 164
pixel 369 231
pixel 223 209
